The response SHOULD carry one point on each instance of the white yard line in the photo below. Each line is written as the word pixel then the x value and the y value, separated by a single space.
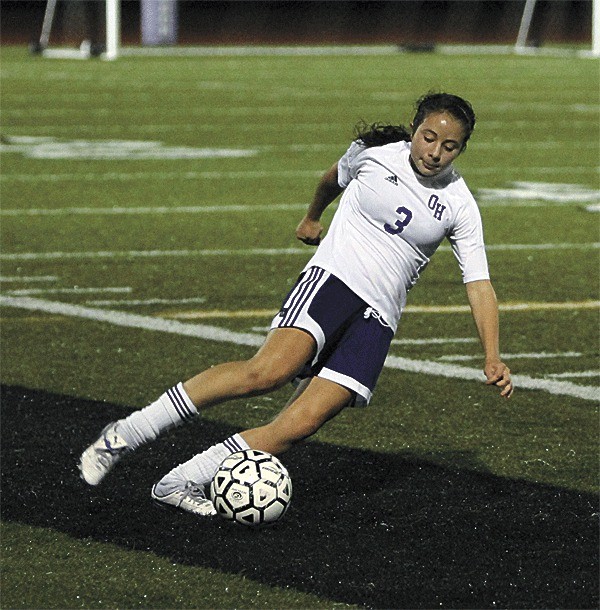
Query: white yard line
pixel 568 305
pixel 129 320
pixel 25 279
pixel 214 333
pixel 149 111
pixel 549 246
pixel 434 341
pixel 353 50
pixel 429 341
pixel 126 211
pixel 29 256
pixel 564 388
pixel 574 374
pixel 236 208
pixel 258 50
pixel 128 176
pixel 260 175
pixel 426 309
pixel 76 290
pixel 507 124
pixel 528 355
pixel 102 254
pixel 133 302
pixel 223 314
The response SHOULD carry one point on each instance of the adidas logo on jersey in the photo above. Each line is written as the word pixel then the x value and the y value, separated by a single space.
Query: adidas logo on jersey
pixel 393 179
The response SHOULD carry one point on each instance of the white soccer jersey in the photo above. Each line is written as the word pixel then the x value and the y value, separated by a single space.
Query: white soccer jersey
pixel 390 221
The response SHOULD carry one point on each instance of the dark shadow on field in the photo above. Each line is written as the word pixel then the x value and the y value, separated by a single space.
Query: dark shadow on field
pixel 376 530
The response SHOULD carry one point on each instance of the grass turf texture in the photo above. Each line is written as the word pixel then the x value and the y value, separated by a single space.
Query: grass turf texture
pixel 438 495
pixel 425 534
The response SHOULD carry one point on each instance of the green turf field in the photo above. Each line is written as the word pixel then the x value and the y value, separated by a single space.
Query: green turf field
pixel 147 231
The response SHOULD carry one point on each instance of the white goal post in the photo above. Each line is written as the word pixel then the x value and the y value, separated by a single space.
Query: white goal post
pixel 596 28
pixel 525 25
pixel 112 43
pixel 112 40
pixel 113 29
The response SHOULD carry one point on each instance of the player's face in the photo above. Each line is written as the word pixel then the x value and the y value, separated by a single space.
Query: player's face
pixel 436 142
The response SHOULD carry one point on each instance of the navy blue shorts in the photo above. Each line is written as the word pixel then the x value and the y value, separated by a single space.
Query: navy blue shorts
pixel 352 338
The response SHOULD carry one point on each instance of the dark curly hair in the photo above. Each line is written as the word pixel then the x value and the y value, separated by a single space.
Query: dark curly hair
pixel 379 134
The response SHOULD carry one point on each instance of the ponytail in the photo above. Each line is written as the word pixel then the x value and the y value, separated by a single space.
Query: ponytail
pixel 379 134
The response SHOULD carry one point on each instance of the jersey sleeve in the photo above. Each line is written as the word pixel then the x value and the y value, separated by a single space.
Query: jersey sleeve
pixel 468 245
pixel 349 164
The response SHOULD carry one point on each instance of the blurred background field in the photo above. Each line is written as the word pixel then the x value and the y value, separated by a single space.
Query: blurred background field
pixel 170 187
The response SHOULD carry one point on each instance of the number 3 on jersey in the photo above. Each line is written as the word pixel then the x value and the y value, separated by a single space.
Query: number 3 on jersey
pixel 399 226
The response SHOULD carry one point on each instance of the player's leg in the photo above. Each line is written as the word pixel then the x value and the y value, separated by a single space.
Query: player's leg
pixel 277 362
pixel 282 356
pixel 317 403
pixel 313 404
pixel 355 345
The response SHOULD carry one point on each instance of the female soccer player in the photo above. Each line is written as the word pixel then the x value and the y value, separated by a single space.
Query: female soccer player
pixel 401 198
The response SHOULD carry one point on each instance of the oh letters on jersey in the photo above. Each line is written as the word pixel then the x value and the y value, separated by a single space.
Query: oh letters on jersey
pixel 435 205
pixel 406 215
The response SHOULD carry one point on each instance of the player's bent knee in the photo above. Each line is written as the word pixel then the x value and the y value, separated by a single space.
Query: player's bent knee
pixel 265 378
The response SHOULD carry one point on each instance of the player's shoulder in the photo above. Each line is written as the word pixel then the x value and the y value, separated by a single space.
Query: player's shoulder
pixel 393 148
pixel 457 187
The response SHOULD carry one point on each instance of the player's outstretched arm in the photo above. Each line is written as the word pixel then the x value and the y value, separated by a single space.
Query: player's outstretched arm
pixel 484 307
pixel 310 228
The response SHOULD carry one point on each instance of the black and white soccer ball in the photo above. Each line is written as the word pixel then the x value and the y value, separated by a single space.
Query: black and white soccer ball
pixel 251 487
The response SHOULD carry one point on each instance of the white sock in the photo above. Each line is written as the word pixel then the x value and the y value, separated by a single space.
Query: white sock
pixel 170 410
pixel 202 467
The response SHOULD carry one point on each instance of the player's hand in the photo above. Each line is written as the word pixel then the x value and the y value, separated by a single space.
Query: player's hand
pixel 309 231
pixel 498 374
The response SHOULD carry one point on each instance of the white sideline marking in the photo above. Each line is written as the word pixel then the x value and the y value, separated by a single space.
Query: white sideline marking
pixel 574 374
pixel 76 290
pixel 28 278
pixel 153 128
pixel 186 209
pixel 130 320
pixel 555 246
pixel 441 309
pixel 530 355
pixel 24 256
pixel 204 209
pixel 434 341
pixel 529 306
pixel 541 191
pixel 430 341
pixel 31 256
pixel 251 51
pixel 454 371
pixel 122 303
pixel 126 176
pixel 222 313
pixel 100 150
pixel 214 333
pixel 257 174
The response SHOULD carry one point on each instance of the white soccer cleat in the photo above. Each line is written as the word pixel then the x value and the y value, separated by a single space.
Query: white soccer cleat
pixel 99 458
pixel 190 498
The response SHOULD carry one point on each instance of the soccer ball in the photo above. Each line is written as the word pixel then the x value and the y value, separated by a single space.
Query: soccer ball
pixel 251 487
